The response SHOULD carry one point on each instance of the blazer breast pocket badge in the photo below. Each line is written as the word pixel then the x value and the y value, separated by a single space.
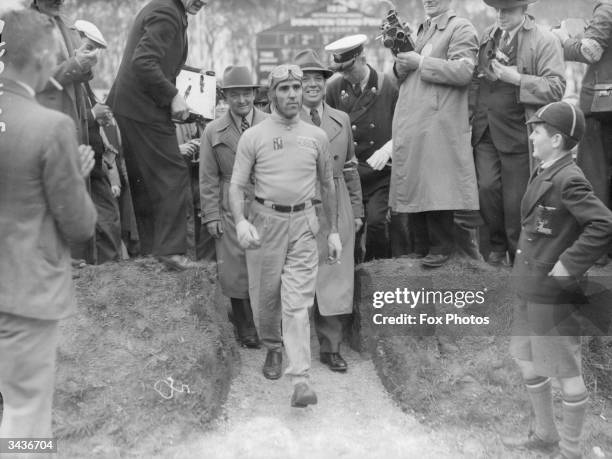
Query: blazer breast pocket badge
pixel 544 220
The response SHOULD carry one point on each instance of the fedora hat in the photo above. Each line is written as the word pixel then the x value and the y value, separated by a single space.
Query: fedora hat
pixel 508 3
pixel 237 76
pixel 308 61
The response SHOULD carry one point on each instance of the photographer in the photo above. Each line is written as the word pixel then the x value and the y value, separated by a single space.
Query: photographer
pixel 504 97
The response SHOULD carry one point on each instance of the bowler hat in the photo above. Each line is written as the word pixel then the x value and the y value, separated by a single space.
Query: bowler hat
pixel 309 62
pixel 508 3
pixel 237 76
pixel 563 116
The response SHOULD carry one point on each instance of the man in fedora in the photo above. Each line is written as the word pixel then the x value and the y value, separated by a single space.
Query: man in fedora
pixel 520 68
pixel 217 153
pixel 286 158
pixel 145 100
pixel 334 291
pixel 369 98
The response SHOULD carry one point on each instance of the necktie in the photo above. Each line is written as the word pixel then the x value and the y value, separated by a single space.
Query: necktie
pixel 244 125
pixel 314 115
pixel 357 89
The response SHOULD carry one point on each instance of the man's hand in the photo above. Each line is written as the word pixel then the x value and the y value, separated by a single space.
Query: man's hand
pixel 247 235
pixel 179 107
pixel 506 73
pixel 189 149
pixel 334 248
pixel 407 62
pixel 102 114
pixel 215 228
pixel 559 270
pixel 358 224
pixel 116 190
pixel 86 160
pixel 86 57
pixel 378 160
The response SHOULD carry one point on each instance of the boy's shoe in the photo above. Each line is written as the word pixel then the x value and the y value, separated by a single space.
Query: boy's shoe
pixel 531 443
pixel 303 396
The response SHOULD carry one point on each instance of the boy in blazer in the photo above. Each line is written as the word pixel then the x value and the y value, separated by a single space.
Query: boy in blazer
pixel 565 229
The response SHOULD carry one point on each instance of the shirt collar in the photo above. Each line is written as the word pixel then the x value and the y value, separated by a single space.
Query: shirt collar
pixel 363 83
pixel 238 119
pixel 551 162
pixel 319 109
pixel 512 33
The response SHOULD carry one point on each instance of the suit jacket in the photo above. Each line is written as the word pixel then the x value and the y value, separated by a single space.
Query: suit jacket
pixel 540 61
pixel 156 50
pixel 43 206
pixel 335 282
pixel 561 220
pixel 71 100
pixel 371 115
pixel 600 30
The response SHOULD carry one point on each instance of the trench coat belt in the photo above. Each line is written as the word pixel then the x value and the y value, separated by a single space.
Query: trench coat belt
pixel 287 209
pixel 226 178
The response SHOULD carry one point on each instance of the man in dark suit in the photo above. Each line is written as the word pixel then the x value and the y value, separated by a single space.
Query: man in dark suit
pixel 43 206
pixel 369 99
pixel 144 99
pixel 524 73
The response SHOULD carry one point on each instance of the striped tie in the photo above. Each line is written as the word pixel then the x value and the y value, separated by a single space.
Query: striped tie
pixel 244 125
pixel 314 115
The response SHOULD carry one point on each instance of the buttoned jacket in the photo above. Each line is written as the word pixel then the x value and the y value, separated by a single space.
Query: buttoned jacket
pixel 562 220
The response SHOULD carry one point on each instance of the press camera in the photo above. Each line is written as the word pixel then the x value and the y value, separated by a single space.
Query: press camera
pixel 396 34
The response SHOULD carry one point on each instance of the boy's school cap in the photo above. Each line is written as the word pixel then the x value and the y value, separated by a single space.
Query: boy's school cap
pixel 563 116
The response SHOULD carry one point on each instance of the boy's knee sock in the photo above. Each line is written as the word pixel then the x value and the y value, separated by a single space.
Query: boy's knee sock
pixel 540 393
pixel 574 413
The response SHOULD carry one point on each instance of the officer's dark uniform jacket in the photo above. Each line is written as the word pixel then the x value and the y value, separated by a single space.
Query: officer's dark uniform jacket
pixel 600 30
pixel 561 220
pixel 371 115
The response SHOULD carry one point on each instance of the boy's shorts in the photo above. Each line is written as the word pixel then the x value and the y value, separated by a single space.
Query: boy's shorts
pixel 548 336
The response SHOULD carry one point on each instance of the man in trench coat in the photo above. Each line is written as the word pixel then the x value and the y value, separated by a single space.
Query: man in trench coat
pixel 217 154
pixel 433 170
pixel 335 283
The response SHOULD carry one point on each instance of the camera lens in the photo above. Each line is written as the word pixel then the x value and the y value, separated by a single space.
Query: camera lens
pixel 388 42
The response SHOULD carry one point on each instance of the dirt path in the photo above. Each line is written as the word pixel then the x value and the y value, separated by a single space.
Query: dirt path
pixel 355 417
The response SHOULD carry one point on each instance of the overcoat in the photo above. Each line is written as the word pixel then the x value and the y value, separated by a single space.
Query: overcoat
pixel 561 220
pixel 155 52
pixel 433 167
pixel 71 99
pixel 335 282
pixel 44 205
pixel 217 154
